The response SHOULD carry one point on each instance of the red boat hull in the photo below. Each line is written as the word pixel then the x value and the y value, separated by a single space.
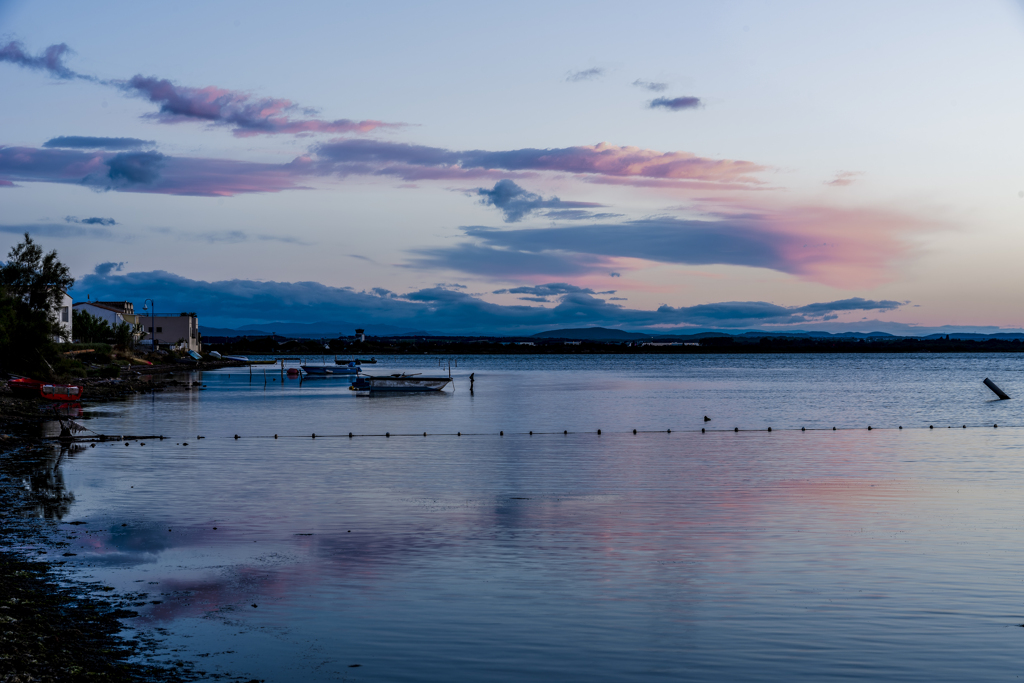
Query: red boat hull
pixel 33 388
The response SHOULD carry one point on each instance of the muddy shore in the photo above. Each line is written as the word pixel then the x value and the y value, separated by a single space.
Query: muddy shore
pixel 53 628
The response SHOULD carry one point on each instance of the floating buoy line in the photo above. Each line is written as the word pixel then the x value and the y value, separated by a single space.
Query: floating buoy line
pixel 501 433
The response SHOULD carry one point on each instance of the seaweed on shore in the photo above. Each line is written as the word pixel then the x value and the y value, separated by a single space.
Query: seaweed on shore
pixel 49 632
pixel 53 631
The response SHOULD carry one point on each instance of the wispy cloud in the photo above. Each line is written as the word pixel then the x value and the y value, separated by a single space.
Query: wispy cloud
pixel 245 114
pixel 650 85
pixel 846 248
pixel 844 178
pixel 85 142
pixel 61 230
pixel 439 308
pixel 150 172
pixel 515 203
pixel 674 103
pixel 419 162
pixel 50 60
pixel 90 221
pixel 584 75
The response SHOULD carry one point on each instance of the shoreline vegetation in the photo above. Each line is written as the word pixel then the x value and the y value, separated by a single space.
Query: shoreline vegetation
pixel 347 348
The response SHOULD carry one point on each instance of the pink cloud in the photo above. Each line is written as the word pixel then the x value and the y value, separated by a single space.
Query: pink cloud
pixel 601 160
pixel 245 114
pixel 846 248
pixel 844 178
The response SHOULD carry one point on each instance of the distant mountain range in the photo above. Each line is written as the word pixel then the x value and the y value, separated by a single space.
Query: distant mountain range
pixel 608 334
pixel 331 330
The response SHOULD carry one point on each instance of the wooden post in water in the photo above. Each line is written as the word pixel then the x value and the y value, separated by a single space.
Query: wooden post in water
pixel 996 390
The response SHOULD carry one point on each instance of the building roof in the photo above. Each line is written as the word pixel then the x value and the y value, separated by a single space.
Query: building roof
pixel 97 304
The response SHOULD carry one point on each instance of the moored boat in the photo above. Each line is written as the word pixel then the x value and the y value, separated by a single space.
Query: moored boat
pixel 23 387
pixel 64 393
pixel 398 382
pixel 329 371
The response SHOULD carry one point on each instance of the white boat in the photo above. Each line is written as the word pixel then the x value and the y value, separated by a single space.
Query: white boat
pixel 366 384
pixel 240 359
pixel 331 370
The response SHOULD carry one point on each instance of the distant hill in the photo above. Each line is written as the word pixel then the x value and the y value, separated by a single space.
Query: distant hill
pixel 591 333
pixel 316 330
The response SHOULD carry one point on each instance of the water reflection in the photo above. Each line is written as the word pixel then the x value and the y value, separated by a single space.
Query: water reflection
pixel 43 493
pixel 719 556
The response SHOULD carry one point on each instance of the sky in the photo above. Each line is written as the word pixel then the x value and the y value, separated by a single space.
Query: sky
pixel 487 168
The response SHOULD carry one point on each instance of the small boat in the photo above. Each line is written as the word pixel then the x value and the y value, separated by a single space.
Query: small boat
pixel 356 361
pixel 65 393
pixel 24 387
pixel 328 371
pixel 240 359
pixel 366 384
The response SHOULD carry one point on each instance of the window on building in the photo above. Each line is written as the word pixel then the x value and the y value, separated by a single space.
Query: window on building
pixel 64 314
pixel 159 329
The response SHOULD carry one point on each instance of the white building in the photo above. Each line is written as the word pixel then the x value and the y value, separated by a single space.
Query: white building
pixel 180 331
pixel 113 312
pixel 63 314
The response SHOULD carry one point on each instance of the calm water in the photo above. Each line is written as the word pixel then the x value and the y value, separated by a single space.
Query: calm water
pixel 819 555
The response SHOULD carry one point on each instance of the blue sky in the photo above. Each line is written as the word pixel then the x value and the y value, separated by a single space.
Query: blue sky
pixel 464 167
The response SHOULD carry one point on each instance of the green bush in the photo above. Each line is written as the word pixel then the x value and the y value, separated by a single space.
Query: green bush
pixel 110 371
pixel 68 368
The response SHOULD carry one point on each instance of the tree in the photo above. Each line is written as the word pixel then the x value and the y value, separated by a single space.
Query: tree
pixel 89 328
pixel 39 281
pixel 32 286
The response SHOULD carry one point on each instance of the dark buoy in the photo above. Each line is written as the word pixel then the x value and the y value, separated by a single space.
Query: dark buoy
pixel 424 433
pixel 901 426
pixel 501 433
pixel 565 431
pixel 531 432
pixel 834 429
pixel 994 426
pixel 931 426
pixel 314 435
pixel 350 435
pixel 736 429
pixel 803 429
pixel 769 429
pixel 599 432
pixel 707 419
pixel 236 437
pixel 869 428
pixel 275 436
pixel 634 431
pixel 701 430
pixel 458 434
pixel 965 427
pixel 670 431
pixel 387 434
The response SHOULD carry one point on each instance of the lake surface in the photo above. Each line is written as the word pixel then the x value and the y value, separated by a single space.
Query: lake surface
pixel 750 556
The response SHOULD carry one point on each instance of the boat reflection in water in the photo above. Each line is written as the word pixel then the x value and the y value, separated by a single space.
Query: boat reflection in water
pixel 367 384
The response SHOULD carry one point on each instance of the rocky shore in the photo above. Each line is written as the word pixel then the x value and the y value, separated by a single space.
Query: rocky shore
pixel 52 629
